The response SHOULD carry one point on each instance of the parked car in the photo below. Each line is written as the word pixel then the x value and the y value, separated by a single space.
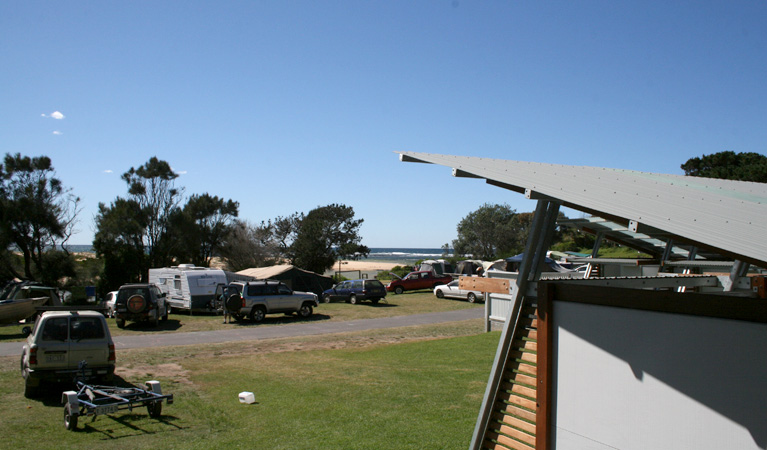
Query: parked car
pixel 417 280
pixel 353 291
pixel 141 302
pixel 109 303
pixel 58 343
pixel 256 299
pixel 451 290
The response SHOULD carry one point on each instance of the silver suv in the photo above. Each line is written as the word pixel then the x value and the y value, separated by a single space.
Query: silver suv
pixel 58 343
pixel 256 299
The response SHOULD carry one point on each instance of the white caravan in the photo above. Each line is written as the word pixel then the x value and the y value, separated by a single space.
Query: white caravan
pixel 189 287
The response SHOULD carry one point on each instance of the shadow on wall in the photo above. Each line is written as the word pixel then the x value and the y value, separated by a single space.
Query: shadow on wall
pixel 719 363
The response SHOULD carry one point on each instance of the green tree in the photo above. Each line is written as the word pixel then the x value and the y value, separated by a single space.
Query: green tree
pixel 201 228
pixel 37 213
pixel 324 235
pixel 492 231
pixel 119 241
pixel 249 246
pixel 152 187
pixel 729 165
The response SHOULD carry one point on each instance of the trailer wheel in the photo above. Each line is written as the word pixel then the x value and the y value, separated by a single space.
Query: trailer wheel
pixel 70 418
pixel 154 409
pixel 120 322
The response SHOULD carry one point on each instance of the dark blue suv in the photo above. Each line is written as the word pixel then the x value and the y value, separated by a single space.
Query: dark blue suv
pixel 354 291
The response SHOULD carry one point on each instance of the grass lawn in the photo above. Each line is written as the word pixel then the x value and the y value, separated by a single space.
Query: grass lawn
pixel 403 388
pixel 415 302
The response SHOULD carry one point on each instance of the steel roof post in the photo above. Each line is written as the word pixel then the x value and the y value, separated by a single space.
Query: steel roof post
pixel 541 232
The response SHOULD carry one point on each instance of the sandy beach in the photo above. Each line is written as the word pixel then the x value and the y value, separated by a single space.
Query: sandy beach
pixel 365 266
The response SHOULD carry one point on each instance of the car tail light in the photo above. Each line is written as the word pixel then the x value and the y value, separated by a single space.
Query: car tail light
pixel 243 302
pixel 33 356
pixel 112 356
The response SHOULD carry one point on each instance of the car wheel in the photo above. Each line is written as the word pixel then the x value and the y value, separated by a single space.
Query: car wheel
pixel 353 299
pixel 399 290
pixel 154 409
pixel 305 311
pixel 165 316
pixel 326 298
pixel 237 317
pixel 257 314
pixel 439 293
pixel 70 418
pixel 120 323
pixel 375 300
pixel 471 297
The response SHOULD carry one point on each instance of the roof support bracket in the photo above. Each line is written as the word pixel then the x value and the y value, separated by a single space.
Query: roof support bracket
pixel 458 173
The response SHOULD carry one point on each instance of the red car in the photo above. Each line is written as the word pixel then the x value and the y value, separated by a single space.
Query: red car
pixel 417 280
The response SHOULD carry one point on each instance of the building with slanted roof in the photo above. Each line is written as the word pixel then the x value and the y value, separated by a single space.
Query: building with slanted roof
pixel 664 361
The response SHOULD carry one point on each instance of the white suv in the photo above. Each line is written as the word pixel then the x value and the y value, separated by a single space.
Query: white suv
pixel 58 343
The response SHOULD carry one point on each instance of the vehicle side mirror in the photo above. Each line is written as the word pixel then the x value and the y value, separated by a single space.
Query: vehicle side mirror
pixel 26 331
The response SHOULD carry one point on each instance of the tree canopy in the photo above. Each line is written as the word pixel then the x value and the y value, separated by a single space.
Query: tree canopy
pixel 492 231
pixel 37 213
pixel 324 235
pixel 729 165
pixel 149 228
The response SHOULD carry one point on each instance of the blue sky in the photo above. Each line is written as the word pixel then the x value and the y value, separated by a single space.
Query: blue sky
pixel 284 106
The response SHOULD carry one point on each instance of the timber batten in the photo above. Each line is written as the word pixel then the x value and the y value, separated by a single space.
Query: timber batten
pixel 512 423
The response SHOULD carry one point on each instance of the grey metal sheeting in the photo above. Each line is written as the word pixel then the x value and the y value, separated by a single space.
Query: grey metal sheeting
pixel 724 215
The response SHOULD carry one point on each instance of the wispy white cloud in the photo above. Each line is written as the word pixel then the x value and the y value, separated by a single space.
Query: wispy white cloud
pixel 58 133
pixel 54 115
pixel 178 172
pixel 108 171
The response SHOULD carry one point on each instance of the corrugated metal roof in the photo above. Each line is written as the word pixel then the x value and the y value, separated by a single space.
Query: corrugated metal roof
pixel 726 216
pixel 639 241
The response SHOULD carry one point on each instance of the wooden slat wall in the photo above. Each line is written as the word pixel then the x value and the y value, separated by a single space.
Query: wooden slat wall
pixel 513 423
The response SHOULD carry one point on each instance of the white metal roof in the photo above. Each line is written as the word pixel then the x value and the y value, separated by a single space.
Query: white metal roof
pixel 726 216
pixel 264 273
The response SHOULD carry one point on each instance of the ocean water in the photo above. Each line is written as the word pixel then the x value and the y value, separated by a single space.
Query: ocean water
pixel 388 254
pixel 404 255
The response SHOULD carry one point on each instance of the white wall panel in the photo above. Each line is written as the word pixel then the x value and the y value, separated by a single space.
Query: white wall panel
pixel 629 379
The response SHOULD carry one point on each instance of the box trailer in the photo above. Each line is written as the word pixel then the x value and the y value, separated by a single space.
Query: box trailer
pixel 188 287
